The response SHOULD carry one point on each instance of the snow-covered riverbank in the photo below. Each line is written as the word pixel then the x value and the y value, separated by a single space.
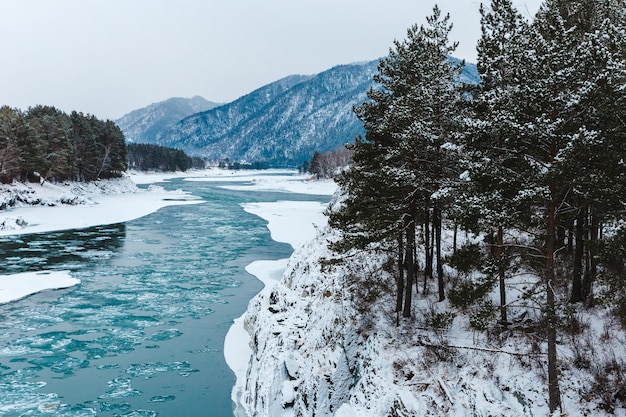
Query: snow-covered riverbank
pixel 49 207
pixel 36 208
pixel 289 222
pixel 293 222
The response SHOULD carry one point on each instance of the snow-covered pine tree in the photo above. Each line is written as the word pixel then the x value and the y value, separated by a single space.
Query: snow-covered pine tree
pixel 405 163
pixel 558 120
pixel 596 128
pixel 491 159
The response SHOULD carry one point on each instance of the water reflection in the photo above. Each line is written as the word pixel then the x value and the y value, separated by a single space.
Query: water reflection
pixel 70 249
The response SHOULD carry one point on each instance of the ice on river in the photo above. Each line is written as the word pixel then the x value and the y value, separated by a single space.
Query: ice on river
pixel 17 286
pixel 290 222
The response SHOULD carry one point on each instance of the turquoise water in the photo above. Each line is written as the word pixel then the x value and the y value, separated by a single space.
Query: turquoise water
pixel 143 334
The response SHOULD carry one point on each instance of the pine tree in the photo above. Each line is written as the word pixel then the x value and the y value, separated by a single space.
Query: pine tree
pixel 11 123
pixel 491 159
pixel 406 162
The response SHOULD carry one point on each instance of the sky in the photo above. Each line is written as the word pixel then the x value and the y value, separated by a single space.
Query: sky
pixel 109 57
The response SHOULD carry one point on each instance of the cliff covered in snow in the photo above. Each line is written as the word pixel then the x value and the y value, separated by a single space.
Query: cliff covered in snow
pixel 318 350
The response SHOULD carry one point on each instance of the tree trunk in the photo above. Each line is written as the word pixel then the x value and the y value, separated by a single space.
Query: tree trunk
pixel 592 268
pixel 400 281
pixel 561 234
pixel 440 281
pixel 454 237
pixel 410 263
pixel 428 267
pixel 105 159
pixel 578 257
pixel 501 276
pixel 553 376
pixel 433 234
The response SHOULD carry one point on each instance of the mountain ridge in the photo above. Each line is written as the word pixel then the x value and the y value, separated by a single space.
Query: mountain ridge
pixel 282 123
pixel 142 125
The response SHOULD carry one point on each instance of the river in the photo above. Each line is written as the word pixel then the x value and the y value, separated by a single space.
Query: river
pixel 143 333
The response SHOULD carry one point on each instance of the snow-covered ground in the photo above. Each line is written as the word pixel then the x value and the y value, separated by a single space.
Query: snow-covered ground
pixel 315 352
pixel 289 222
pixel 35 208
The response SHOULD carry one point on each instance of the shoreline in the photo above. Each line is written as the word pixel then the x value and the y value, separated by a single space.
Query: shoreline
pixel 292 222
pixel 118 202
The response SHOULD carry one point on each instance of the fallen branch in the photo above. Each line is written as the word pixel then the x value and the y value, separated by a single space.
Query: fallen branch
pixel 425 344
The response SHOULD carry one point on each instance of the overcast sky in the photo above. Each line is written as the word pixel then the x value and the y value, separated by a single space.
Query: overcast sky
pixel 108 57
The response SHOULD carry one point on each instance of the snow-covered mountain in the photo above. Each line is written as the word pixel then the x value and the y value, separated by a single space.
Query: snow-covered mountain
pixel 282 123
pixel 143 125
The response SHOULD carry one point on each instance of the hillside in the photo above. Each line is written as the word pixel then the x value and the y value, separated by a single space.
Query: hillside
pixel 316 351
pixel 280 126
pixel 282 123
pixel 143 125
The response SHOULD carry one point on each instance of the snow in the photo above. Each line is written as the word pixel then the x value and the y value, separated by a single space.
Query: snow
pixel 292 222
pixel 93 204
pixel 17 286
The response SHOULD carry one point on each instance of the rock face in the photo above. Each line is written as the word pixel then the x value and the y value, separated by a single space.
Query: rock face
pixel 305 351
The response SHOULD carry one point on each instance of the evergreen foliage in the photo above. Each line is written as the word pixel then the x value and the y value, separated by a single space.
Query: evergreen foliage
pixel 403 168
pixel 531 161
pixel 46 144
pixel 146 157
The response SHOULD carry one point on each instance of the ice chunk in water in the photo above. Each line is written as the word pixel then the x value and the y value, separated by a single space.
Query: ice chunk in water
pixel 120 388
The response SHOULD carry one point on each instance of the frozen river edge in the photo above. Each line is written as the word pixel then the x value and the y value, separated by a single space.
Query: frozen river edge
pixel 289 222
pixel 115 201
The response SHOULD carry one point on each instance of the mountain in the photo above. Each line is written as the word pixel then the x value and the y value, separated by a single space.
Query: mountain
pixel 144 124
pixel 282 123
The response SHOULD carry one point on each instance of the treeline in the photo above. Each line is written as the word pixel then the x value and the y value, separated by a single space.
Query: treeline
pixel 46 144
pixel 148 157
pixel 531 161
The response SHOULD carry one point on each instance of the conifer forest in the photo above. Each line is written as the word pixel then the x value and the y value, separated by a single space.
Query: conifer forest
pixel 529 164
pixel 46 144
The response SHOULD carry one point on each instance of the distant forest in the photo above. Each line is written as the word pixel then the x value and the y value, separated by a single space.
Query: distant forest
pixel 147 157
pixel 46 144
